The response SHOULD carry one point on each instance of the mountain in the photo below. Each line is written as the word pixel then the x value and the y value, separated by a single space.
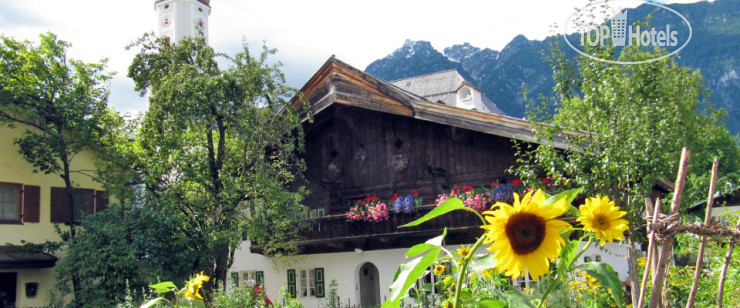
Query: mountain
pixel 714 50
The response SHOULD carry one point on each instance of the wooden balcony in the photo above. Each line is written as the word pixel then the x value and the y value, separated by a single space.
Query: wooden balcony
pixel 334 233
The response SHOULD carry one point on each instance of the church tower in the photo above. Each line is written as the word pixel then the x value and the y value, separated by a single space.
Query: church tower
pixel 182 18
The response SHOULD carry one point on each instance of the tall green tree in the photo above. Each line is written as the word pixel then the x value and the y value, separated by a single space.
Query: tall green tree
pixel 626 126
pixel 61 104
pixel 219 146
pixel 120 251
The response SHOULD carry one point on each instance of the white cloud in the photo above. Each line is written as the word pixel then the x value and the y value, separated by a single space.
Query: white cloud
pixel 306 33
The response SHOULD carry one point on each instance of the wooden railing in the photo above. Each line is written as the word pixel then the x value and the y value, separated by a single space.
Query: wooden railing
pixel 337 226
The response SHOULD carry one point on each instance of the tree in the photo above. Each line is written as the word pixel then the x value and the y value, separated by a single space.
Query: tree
pixel 626 125
pixel 120 251
pixel 218 146
pixel 61 104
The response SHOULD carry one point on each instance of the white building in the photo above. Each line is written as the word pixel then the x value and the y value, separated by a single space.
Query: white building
pixel 182 18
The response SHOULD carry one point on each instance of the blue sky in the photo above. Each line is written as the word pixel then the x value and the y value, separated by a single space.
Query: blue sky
pixel 306 33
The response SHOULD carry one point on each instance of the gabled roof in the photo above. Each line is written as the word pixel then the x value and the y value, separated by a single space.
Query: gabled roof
pixel 339 83
pixel 720 200
pixel 442 86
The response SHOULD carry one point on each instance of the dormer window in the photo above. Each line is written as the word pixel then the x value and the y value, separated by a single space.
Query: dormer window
pixel 465 93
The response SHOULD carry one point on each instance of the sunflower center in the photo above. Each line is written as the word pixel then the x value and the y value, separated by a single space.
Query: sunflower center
pixel 525 232
pixel 601 222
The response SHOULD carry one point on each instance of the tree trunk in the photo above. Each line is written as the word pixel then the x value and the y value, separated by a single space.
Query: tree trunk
pixel 69 189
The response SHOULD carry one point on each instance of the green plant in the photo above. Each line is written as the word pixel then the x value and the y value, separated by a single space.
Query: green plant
pixel 332 299
pixel 190 293
pixel 242 296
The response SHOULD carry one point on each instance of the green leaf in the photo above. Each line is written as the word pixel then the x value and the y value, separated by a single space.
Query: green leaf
pixel 409 272
pixel 490 303
pixel 152 302
pixel 163 287
pixel 567 255
pixel 450 205
pixel 569 196
pixel 428 245
pixel 608 278
pixel 515 298
pixel 481 262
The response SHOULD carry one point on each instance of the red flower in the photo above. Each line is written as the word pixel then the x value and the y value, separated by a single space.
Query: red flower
pixel 544 181
pixel 550 178
pixel 395 196
pixel 416 194
pixel 495 184
pixel 516 182
pixel 457 187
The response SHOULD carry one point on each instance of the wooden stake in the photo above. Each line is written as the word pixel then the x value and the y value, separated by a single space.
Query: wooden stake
pixel 651 248
pixel 665 251
pixel 723 274
pixel 707 220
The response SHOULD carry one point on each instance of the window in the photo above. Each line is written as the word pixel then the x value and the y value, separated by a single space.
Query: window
pixel 308 283
pixel 465 94
pixel 10 202
pixel 252 278
pixel 84 200
pixel 597 258
pixel 586 259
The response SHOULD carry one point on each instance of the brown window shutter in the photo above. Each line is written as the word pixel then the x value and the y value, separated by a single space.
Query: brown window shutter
pixel 101 201
pixel 31 203
pixel 84 199
pixel 58 205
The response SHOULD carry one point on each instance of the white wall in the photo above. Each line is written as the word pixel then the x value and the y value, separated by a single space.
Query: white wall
pixel 344 268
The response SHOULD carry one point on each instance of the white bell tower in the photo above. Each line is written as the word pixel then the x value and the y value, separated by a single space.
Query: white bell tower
pixel 182 18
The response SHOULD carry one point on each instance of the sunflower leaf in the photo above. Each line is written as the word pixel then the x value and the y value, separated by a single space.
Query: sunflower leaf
pixel 153 302
pixel 444 208
pixel 408 273
pixel 426 246
pixel 514 297
pixel 567 255
pixel 570 195
pixel 607 277
pixel 490 303
pixel 163 287
pixel 481 262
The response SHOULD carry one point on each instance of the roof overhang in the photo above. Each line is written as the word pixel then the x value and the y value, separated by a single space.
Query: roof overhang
pixel 15 258
pixel 337 83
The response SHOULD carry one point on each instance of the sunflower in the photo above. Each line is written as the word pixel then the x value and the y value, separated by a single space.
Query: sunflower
pixel 603 218
pixel 439 269
pixel 486 273
pixel 463 251
pixel 194 285
pixel 448 280
pixel 525 236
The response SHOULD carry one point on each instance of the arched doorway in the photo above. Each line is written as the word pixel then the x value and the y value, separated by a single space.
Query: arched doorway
pixel 369 285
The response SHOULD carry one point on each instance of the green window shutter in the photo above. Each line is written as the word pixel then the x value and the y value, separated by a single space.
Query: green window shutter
pixel 319 272
pixel 260 277
pixel 291 283
pixel 235 279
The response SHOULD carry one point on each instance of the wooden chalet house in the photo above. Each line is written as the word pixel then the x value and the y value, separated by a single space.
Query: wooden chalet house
pixel 369 138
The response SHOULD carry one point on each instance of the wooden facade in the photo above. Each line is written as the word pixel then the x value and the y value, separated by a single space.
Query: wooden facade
pixel 367 137
pixel 354 153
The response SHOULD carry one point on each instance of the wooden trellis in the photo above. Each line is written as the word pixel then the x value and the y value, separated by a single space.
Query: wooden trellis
pixel 662 230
